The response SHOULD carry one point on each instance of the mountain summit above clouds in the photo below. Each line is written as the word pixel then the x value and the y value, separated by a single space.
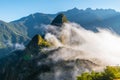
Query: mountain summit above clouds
pixel 59 20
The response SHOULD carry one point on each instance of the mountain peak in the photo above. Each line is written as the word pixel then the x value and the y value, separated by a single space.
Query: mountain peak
pixel 59 20
pixel 37 39
pixel 75 8
pixel 35 46
pixel 37 42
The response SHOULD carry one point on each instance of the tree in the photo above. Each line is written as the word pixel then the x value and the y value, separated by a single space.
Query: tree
pixel 109 73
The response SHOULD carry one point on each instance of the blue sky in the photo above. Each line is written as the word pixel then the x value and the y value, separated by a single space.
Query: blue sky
pixel 15 9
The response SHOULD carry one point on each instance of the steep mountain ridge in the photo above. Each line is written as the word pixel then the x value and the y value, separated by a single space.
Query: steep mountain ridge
pixel 41 61
pixel 88 18
pixel 34 21
pixel 35 45
pixel 9 36
pixel 59 20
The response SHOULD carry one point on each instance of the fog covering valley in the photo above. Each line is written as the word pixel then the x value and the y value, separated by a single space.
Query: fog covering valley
pixel 62 49
pixel 92 45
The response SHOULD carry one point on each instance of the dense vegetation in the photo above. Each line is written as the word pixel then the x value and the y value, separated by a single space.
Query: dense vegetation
pixel 110 73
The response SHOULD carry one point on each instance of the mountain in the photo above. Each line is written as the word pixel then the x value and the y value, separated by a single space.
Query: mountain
pixel 10 35
pixel 88 18
pixel 91 19
pixel 37 41
pixel 40 67
pixel 41 61
pixel 35 45
pixel 34 22
pixel 59 20
pixel 22 30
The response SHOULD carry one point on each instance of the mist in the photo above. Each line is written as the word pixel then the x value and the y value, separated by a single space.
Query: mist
pixel 101 47
pixel 14 46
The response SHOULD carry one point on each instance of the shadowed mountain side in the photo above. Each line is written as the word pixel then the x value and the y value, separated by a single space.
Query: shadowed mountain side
pixel 35 46
pixel 59 20
pixel 41 66
pixel 33 23
pixel 10 35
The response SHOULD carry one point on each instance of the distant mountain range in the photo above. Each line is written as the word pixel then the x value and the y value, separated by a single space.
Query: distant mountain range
pixel 22 30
